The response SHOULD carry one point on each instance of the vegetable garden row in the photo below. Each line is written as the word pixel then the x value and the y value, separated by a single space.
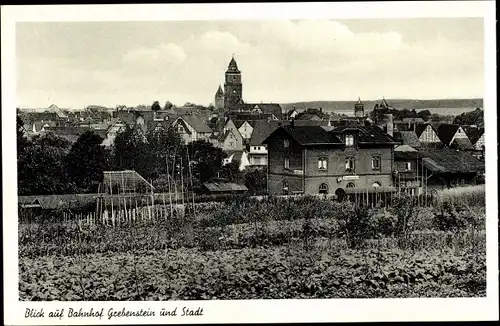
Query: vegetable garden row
pixel 269 248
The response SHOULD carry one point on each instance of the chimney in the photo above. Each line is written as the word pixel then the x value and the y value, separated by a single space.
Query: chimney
pixel 321 110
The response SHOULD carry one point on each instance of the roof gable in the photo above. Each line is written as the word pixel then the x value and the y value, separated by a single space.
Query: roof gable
pixel 446 132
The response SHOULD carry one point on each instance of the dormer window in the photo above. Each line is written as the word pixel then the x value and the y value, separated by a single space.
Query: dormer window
pixel 349 140
pixel 286 143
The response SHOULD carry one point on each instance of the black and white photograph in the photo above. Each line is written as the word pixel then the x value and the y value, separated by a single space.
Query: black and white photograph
pixel 232 159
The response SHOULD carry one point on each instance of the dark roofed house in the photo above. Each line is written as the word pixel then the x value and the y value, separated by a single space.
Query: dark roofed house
pixel 447 167
pixel 192 128
pixel 448 132
pixel 321 160
pixel 476 137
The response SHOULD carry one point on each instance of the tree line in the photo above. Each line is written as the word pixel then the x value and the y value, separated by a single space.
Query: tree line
pixel 51 164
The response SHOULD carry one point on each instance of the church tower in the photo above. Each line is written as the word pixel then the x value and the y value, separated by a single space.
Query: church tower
pixel 219 98
pixel 359 109
pixel 233 89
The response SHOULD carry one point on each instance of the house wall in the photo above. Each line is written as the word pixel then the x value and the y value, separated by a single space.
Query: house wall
pixel 277 173
pixel 459 134
pixel 429 136
pixel 233 141
pixel 480 143
pixel 312 183
pixel 246 130
pixel 186 132
pixel 257 159
pixel 337 157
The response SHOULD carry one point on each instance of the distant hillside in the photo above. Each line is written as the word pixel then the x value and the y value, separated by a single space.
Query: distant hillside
pixel 396 103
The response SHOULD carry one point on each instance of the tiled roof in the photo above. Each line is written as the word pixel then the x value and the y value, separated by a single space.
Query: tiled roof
pixel 462 144
pixel 367 134
pixel 197 123
pixel 309 135
pixel 451 161
pixel 446 132
pixel 262 130
pixel 273 108
pixel 409 138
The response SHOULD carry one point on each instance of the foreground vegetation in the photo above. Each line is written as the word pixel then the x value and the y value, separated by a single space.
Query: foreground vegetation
pixel 270 248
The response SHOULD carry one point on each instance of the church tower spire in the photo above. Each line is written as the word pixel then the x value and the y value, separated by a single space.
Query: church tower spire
pixel 219 98
pixel 233 88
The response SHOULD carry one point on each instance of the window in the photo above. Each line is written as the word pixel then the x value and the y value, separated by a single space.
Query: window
pixel 286 143
pixel 349 164
pixel 349 140
pixel 180 128
pixel 323 188
pixel 286 163
pixel 376 162
pixel 408 166
pixel 350 185
pixel 285 188
pixel 322 164
pixel 376 184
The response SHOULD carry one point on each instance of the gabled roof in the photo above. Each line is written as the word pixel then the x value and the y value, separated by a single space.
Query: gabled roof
pixel 473 133
pixel 409 138
pixel 197 123
pixel 420 128
pixel 308 135
pixel 239 123
pixel 447 160
pixel 446 132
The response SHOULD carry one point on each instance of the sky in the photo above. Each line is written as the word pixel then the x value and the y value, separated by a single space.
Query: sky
pixel 75 64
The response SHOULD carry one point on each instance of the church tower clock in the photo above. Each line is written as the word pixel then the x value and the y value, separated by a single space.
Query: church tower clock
pixel 233 89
